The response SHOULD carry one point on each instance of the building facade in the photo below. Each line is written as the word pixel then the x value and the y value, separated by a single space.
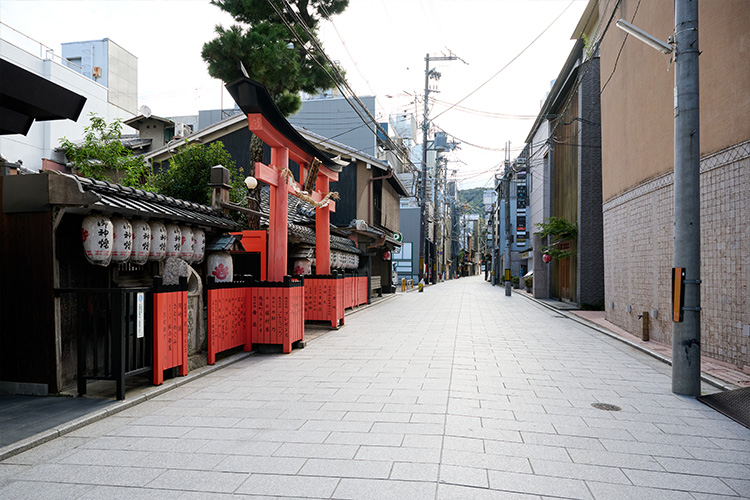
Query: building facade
pixel 638 160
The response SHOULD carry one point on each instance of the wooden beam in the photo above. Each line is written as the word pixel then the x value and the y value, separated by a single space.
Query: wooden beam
pixel 261 127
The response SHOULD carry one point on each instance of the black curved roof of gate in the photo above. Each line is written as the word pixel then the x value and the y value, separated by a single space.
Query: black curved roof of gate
pixel 25 97
pixel 253 97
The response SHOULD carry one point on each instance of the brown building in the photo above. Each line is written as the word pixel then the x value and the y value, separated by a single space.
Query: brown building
pixel 637 107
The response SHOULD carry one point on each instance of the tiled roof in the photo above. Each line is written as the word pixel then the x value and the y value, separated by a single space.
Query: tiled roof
pixel 115 198
pixel 307 235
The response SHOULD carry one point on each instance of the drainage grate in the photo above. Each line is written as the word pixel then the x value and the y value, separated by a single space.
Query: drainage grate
pixel 606 407
pixel 734 404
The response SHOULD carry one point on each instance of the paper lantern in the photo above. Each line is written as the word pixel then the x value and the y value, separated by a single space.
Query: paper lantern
pixel 220 266
pixel 96 232
pixel 302 267
pixel 199 246
pixel 122 240
pixel 158 250
pixel 141 242
pixel 186 247
pixel 174 240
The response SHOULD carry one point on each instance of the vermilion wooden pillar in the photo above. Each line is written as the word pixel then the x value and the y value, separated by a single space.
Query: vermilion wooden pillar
pixel 278 218
pixel 322 231
pixel 282 150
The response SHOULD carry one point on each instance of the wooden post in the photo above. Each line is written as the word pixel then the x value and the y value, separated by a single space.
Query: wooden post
pixel 323 232
pixel 278 218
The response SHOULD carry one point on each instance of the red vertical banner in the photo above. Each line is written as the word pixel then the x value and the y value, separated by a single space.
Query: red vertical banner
pixel 228 317
pixel 170 329
pixel 280 312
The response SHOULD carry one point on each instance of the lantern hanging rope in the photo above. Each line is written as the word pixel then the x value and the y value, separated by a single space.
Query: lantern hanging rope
pixel 305 196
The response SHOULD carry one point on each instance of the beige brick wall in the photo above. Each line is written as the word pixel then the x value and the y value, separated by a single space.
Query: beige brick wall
pixel 638 237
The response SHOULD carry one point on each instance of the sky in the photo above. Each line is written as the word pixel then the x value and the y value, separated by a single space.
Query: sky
pixel 381 44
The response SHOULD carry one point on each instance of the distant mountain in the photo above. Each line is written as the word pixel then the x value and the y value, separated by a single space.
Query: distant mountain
pixel 472 200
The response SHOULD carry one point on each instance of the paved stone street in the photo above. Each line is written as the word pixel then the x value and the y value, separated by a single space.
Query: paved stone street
pixel 455 393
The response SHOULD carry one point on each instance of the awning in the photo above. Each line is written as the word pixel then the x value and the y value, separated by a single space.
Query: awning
pixel 25 97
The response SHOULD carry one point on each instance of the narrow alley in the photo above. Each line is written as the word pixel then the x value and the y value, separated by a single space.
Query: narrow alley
pixel 446 394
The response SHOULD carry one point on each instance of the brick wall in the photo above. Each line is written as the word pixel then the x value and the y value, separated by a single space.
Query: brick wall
pixel 589 254
pixel 638 249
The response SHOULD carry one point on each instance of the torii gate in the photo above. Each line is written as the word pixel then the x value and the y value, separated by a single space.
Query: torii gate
pixel 266 121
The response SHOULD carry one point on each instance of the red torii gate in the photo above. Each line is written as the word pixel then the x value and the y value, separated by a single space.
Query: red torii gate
pixel 266 121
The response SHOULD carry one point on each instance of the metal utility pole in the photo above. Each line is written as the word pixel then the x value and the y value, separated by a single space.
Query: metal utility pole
pixel 686 336
pixel 428 73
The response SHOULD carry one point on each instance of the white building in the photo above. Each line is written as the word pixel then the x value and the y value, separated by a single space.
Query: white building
pixel 43 137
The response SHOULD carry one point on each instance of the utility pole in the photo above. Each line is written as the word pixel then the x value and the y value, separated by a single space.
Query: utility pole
pixel 686 335
pixel 428 73
pixel 686 325
pixel 506 259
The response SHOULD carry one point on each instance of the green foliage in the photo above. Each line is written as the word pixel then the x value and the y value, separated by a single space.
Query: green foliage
pixel 190 172
pixel 529 282
pixel 102 156
pixel 260 43
pixel 515 280
pixel 561 230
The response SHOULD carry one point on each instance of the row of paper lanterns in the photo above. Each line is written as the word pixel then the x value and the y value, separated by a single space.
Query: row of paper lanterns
pixel 342 260
pixel 117 240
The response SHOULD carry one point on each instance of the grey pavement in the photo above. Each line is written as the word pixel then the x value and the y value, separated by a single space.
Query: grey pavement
pixel 455 393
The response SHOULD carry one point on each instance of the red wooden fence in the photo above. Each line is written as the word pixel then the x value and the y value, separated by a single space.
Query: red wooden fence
pixel 170 328
pixel 324 298
pixel 228 317
pixel 278 312
pixel 361 285
pixel 355 291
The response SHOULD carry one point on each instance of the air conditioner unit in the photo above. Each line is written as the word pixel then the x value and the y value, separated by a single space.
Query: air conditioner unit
pixel 182 130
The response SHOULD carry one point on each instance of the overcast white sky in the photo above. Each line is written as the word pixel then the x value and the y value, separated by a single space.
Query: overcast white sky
pixel 381 44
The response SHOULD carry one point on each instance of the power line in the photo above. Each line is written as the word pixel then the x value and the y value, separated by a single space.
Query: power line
pixel 336 77
pixel 509 63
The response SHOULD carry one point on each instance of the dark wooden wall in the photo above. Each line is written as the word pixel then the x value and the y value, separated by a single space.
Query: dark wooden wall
pixel 27 314
pixel 346 186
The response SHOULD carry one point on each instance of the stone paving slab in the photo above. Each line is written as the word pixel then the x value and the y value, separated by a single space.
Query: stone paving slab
pixel 455 393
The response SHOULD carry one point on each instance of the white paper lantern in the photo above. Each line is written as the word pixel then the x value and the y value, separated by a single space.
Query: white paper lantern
pixel 220 266
pixel 141 242
pixel 174 240
pixel 122 240
pixel 336 260
pixel 158 250
pixel 186 247
pixel 96 232
pixel 199 247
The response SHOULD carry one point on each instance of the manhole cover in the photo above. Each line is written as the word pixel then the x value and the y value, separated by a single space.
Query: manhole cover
pixel 606 407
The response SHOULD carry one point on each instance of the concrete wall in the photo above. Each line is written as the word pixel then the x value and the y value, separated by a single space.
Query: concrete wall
pixel 119 69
